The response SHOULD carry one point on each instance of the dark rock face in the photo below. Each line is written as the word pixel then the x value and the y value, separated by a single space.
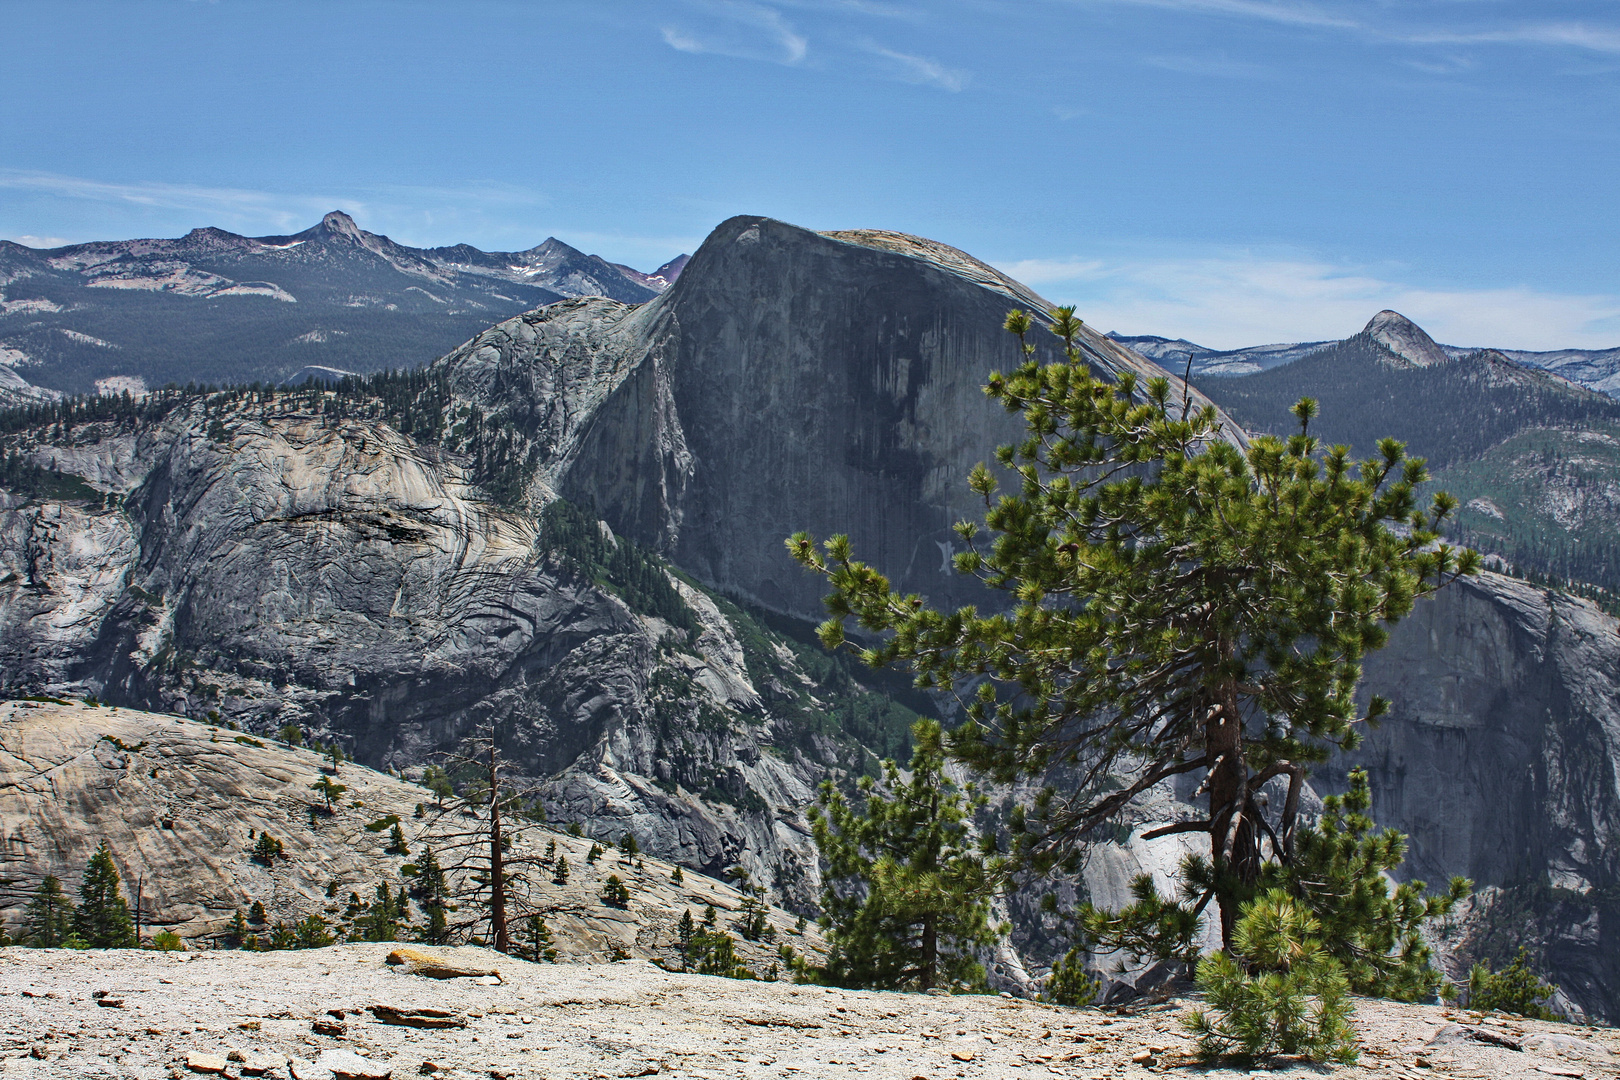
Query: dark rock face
pixel 833 383
pixel 1501 760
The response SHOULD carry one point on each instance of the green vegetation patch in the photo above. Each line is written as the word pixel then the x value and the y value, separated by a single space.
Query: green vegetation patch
pixel 572 540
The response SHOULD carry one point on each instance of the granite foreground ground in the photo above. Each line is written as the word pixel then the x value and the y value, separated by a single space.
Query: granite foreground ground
pixel 318 1014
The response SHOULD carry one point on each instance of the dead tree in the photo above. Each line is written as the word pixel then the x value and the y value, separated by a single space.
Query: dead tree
pixel 492 879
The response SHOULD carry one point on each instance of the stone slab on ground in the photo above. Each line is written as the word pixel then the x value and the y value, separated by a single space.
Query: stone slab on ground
pixel 629 1019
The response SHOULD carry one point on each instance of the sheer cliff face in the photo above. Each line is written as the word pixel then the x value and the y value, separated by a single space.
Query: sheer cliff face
pixel 832 383
pixel 1501 760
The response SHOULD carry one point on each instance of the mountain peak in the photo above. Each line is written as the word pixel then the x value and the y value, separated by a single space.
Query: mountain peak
pixel 1405 339
pixel 337 223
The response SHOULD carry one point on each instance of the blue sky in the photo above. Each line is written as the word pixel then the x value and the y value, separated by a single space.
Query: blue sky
pixel 1232 171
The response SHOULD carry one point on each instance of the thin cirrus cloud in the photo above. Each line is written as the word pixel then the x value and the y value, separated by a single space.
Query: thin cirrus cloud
pixel 1599 39
pixel 1575 35
pixel 1285 13
pixel 744 31
pixel 1228 302
pixel 233 203
pixel 919 69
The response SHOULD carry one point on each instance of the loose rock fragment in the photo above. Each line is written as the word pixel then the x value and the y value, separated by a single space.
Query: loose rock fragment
pixel 255 1063
pixel 420 1018
pixel 417 962
pixel 335 1028
pixel 347 1065
pixel 205 1063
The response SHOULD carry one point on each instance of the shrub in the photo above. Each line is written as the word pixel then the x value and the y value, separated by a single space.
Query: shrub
pixel 267 849
pixel 1516 989
pixel 1069 984
pixel 168 941
pixel 1281 994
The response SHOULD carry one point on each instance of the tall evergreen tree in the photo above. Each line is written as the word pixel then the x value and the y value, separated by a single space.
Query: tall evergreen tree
pixel 433 895
pixel 103 920
pixel 907 897
pixel 48 919
pixel 1178 603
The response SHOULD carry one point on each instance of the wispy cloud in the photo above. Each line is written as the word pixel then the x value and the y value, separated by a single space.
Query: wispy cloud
pixel 1229 301
pixel 920 69
pixel 1599 39
pixel 1285 13
pixel 1574 35
pixel 39 241
pixel 234 203
pixel 743 30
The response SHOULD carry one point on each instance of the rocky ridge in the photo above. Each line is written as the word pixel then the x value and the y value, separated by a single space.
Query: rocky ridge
pixel 213 307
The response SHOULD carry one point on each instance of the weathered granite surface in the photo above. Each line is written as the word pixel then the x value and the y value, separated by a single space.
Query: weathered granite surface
pixel 584 1022
pixel 179 802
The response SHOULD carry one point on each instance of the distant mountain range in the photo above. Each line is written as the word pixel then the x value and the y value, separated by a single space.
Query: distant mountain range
pixel 1596 369
pixel 215 307
pixel 1533 456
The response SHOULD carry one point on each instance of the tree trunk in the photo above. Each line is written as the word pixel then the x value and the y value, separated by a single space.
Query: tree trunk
pixel 930 952
pixel 1228 794
pixel 497 867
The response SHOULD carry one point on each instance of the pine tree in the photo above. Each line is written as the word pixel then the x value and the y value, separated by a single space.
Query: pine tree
pixel 1278 992
pixel 685 929
pixel 907 897
pixel 1070 984
pixel 396 841
pixel 1516 989
pixel 614 892
pixel 593 854
pixel 103 920
pixel 382 919
pixel 1178 604
pixel 559 876
pixel 311 933
pixel 677 878
pixel 628 848
pixel 329 789
pixel 754 913
pixel 1339 873
pixel 495 879
pixel 710 952
pixel 437 781
pixel 1374 931
pixel 537 944
pixel 267 849
pixel 236 934
pixel 433 895
pixel 49 917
